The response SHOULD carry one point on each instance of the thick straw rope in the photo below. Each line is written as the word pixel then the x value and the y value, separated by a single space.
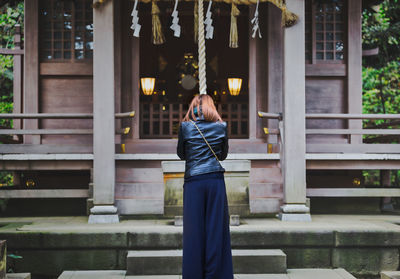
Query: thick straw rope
pixel 202 51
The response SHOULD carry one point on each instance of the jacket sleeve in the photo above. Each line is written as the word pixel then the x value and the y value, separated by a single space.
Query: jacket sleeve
pixel 180 149
pixel 225 146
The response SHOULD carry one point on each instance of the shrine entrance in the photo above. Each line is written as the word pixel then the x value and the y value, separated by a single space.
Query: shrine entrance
pixel 173 66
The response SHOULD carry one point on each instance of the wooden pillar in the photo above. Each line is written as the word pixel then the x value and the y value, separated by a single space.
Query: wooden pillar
pixel 258 67
pixel 294 143
pixel 275 66
pixel 104 210
pixel 17 85
pixel 354 64
pixel 31 68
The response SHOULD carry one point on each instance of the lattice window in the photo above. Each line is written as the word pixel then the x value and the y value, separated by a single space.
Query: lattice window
pixel 66 30
pixel 325 31
pixel 162 120
pixel 308 30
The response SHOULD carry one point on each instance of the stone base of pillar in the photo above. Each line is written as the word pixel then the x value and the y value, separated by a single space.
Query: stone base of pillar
pixel 295 212
pixel 103 214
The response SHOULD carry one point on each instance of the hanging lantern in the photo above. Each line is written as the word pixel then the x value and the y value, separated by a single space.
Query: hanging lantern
pixel 148 84
pixel 234 85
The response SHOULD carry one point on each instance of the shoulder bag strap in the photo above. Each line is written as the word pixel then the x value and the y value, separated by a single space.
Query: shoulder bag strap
pixel 205 140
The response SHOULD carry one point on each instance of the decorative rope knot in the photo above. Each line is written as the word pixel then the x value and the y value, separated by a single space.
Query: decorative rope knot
pixel 233 36
pixel 158 36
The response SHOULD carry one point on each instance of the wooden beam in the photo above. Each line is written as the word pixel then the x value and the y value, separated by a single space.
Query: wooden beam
pixel 60 115
pixel 31 68
pixel 354 65
pixel 326 70
pixel 103 105
pixel 353 148
pixel 353 131
pixel 66 69
pixel 57 131
pixel 30 149
pixel 353 192
pixel 46 132
pixel 294 145
pixel 7 51
pixel 269 115
pixel 353 164
pixel 351 116
pixel 36 193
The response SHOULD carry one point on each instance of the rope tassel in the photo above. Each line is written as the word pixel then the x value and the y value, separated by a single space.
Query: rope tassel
pixel 158 36
pixel 288 18
pixel 233 37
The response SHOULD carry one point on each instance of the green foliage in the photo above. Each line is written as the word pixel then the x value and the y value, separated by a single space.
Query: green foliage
pixel 381 28
pixel 381 73
pixel 381 88
pixel 10 15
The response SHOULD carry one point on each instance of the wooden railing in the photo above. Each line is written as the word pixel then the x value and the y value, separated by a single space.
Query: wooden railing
pixel 356 151
pixel 353 147
pixel 18 114
pixel 58 116
pixel 349 147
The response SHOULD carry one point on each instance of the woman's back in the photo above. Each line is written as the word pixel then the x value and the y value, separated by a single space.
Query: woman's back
pixel 194 149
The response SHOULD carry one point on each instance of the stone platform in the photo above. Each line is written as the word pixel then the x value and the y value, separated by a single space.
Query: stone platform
pixel 306 273
pixel 364 245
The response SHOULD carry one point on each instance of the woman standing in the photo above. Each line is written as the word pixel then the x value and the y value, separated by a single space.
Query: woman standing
pixel 203 142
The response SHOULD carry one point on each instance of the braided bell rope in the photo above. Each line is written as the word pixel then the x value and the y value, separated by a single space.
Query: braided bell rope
pixel 202 51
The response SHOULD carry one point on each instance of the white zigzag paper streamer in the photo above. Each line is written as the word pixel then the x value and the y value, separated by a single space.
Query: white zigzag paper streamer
pixel 254 21
pixel 175 21
pixel 208 22
pixel 135 20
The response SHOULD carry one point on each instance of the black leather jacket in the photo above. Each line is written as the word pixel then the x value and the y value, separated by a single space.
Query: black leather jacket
pixel 192 147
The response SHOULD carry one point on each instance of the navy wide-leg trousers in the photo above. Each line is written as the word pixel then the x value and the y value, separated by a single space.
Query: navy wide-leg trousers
pixel 206 236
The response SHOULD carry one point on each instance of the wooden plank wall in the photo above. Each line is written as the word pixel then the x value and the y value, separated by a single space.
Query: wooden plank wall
pixel 66 90
pixel 54 87
pixel 326 83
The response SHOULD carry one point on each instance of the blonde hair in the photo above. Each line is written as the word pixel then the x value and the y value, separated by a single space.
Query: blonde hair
pixel 207 107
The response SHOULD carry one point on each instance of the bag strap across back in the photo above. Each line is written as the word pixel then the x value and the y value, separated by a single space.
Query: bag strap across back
pixel 205 140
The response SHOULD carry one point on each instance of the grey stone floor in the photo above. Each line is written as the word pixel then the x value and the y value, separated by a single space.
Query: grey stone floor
pixel 306 273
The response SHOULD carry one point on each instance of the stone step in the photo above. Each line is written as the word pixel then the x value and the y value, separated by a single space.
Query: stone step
pixel 18 276
pixel 169 262
pixel 390 275
pixel 307 273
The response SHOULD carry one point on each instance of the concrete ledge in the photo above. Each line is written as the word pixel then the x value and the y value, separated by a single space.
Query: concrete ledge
pixel 308 257
pixel 169 262
pixel 18 276
pixel 367 238
pixel 52 263
pixel 229 166
pixel 93 274
pixel 64 240
pixel 103 219
pixel 366 261
pixel 390 275
pixel 317 273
